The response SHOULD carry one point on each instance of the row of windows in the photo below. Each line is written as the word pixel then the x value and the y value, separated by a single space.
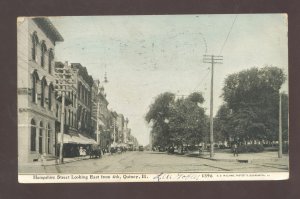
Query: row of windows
pixel 43 85
pixel 40 53
pixel 83 94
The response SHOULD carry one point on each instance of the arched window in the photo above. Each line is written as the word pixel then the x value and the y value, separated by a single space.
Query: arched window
pixel 50 96
pixel 50 60
pixel 43 85
pixel 35 41
pixel 33 136
pixel 41 138
pixel 48 139
pixel 43 51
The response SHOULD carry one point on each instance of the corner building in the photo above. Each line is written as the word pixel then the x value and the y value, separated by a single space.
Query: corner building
pixel 35 90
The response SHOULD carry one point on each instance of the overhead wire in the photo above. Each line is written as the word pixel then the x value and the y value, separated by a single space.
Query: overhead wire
pixel 234 20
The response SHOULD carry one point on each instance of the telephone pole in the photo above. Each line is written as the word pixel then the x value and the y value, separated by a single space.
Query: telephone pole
pixel 212 59
pixel 280 126
pixel 64 80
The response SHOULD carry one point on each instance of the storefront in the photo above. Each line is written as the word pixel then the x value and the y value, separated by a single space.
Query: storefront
pixel 74 146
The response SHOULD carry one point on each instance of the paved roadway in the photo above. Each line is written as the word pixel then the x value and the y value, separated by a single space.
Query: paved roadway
pixel 155 162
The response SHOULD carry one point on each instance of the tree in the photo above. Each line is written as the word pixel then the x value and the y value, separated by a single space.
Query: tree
pixel 158 115
pixel 253 96
pixel 188 122
pixel 222 124
pixel 177 122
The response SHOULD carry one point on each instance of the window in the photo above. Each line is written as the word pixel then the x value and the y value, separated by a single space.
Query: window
pixel 33 136
pixel 71 121
pixel 79 90
pixel 50 59
pixel 56 110
pixel 43 83
pixel 48 139
pixel 50 96
pixel 41 138
pixel 65 116
pixel 43 51
pixel 34 81
pixel 69 114
pixel 35 41
pixel 74 120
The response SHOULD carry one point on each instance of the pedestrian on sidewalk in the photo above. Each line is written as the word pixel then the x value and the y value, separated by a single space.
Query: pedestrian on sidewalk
pixel 235 150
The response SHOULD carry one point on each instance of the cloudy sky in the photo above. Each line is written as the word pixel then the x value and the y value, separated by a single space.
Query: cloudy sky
pixel 147 55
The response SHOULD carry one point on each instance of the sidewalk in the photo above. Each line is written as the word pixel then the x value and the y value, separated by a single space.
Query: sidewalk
pixel 244 157
pixel 46 166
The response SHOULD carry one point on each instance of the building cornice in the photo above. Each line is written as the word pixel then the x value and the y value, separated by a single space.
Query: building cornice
pixel 47 26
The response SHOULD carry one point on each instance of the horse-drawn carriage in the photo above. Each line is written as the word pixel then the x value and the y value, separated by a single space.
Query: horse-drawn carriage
pixel 95 151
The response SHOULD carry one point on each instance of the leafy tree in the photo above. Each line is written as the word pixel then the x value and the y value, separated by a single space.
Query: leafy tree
pixel 222 124
pixel 158 115
pixel 177 122
pixel 188 123
pixel 253 96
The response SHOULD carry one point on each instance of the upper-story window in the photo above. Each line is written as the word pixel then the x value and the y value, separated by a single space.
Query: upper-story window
pixel 34 84
pixel 50 60
pixel 50 91
pixel 43 86
pixel 35 41
pixel 43 52
pixel 33 136
pixel 79 91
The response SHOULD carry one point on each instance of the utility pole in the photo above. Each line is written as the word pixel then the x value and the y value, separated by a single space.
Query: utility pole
pixel 212 59
pixel 63 83
pixel 114 123
pixel 280 127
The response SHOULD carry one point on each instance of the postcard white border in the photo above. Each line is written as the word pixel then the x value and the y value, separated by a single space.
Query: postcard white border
pixel 160 177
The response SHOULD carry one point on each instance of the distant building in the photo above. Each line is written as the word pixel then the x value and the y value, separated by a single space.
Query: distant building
pixel 36 101
pixel 100 114
pixel 120 125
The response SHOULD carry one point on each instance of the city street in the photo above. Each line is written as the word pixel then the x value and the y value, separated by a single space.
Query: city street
pixel 156 162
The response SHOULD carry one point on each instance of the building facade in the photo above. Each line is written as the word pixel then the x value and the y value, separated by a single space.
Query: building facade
pixel 36 98
pixel 84 103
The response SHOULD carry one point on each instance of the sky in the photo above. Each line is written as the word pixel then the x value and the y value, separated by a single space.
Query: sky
pixel 146 55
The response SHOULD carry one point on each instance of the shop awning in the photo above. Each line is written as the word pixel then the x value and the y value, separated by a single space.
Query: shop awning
pixel 80 139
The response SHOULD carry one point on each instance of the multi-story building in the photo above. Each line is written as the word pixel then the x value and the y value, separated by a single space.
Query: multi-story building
pixel 113 125
pixel 83 121
pixel 101 115
pixel 95 109
pixel 36 101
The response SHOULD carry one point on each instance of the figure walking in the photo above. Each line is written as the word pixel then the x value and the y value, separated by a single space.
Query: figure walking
pixel 235 150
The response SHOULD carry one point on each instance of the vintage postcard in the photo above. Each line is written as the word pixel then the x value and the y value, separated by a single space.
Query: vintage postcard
pixel 152 98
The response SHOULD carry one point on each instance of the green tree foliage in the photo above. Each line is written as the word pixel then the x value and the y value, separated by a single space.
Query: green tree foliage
pixel 252 97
